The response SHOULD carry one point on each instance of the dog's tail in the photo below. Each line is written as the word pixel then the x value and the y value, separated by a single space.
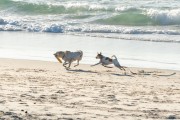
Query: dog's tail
pixel 81 54
pixel 114 57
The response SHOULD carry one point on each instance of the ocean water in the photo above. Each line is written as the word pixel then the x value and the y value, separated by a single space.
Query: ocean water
pixel 146 20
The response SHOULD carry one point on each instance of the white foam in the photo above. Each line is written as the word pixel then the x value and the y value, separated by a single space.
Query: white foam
pixel 124 8
pixel 165 17
pixel 97 7
pixel 127 30
pixel 54 28
pixel 34 28
pixel 75 5
pixel 39 25
pixel 2 21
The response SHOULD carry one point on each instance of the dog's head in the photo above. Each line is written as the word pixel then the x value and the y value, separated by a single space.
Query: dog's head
pixel 59 54
pixel 99 55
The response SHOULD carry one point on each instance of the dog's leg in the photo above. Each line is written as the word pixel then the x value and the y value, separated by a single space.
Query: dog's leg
pixel 96 64
pixel 65 63
pixel 106 66
pixel 116 64
pixel 130 70
pixel 122 68
pixel 69 64
pixel 77 63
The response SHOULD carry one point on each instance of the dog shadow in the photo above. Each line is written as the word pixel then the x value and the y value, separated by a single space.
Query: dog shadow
pixel 122 75
pixel 80 70
pixel 89 71
pixel 167 75
pixel 144 73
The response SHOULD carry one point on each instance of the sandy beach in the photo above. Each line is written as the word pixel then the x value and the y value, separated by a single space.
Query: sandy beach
pixel 45 90
pixel 144 35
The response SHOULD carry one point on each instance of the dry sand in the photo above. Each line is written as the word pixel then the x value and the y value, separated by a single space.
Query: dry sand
pixel 45 90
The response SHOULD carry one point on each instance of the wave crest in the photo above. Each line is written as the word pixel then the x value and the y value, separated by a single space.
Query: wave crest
pixel 165 17
pixel 6 24
pixel 117 14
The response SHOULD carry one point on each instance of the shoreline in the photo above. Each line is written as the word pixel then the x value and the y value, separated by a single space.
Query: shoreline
pixel 31 89
pixel 85 64
pixel 35 46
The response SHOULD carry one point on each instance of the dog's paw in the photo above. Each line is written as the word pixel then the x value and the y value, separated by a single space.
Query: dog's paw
pixel 67 68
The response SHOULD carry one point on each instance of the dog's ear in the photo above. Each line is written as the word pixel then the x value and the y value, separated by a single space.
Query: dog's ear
pixel 100 53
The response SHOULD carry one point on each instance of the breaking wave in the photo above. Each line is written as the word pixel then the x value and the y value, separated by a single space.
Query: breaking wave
pixel 91 17
pixel 13 25
pixel 116 14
